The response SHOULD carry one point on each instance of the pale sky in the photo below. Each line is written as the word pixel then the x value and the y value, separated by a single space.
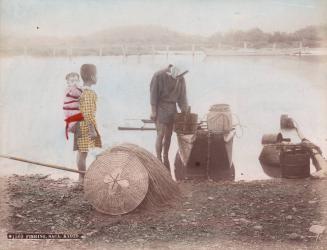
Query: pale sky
pixel 78 17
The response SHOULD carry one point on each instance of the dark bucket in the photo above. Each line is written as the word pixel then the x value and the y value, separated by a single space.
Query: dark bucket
pixel 271 138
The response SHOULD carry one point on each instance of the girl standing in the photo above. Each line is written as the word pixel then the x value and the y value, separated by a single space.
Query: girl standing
pixel 86 135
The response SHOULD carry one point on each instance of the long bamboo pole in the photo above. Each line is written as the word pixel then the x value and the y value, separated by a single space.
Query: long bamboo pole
pixel 42 164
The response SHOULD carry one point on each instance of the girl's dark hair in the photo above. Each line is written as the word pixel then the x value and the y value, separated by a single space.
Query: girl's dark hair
pixel 88 71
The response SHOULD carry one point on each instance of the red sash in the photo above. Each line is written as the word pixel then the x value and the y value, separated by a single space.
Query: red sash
pixel 73 118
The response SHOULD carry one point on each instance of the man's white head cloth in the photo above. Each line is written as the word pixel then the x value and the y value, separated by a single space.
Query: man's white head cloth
pixel 176 71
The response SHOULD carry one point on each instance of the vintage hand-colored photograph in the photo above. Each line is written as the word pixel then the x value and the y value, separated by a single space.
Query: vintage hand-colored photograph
pixel 139 124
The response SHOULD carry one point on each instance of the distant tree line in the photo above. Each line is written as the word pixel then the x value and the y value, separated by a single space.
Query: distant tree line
pixel 311 36
pixel 146 39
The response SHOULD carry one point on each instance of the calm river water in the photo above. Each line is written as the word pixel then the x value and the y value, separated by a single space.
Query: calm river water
pixel 258 89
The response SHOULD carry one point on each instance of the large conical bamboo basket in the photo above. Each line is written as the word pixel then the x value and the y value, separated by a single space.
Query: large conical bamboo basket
pixel 116 182
pixel 121 178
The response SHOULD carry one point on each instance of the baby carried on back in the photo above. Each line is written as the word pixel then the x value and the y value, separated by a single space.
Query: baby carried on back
pixel 71 103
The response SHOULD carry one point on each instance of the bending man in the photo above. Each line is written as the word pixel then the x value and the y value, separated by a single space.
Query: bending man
pixel 166 89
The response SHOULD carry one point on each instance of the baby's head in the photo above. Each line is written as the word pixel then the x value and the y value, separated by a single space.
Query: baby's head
pixel 72 78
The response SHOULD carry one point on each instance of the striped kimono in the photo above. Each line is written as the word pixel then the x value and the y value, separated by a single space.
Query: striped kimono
pixel 71 108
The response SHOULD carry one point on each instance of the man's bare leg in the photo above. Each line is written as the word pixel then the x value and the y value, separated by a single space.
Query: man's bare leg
pixel 81 164
pixel 159 146
pixel 166 144
pixel 159 140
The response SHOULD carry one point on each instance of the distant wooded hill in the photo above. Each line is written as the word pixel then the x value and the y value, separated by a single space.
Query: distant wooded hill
pixel 311 36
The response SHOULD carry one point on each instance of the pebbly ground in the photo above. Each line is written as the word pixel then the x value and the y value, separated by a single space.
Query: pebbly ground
pixel 275 214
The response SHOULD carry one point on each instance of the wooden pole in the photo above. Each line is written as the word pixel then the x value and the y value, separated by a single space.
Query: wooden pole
pixel 245 45
pixel 152 50
pixel 124 51
pixel 141 128
pixel 138 54
pixel 42 164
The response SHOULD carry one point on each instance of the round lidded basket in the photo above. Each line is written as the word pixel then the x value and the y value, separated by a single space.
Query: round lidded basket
pixel 219 118
pixel 116 182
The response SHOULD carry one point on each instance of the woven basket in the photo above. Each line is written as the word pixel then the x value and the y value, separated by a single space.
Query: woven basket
pixel 116 182
pixel 162 189
pixel 219 118
pixel 123 177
